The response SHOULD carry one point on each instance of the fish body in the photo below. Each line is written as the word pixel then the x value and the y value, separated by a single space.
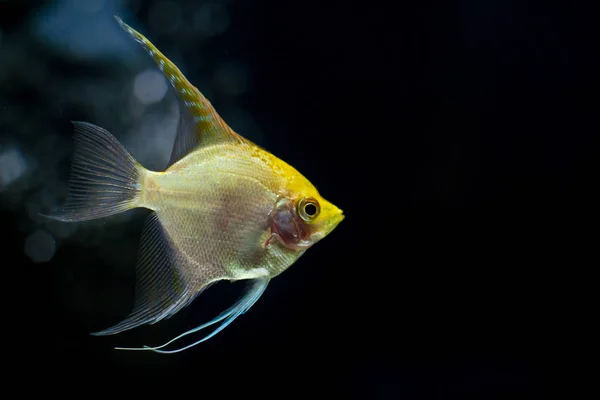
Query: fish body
pixel 224 209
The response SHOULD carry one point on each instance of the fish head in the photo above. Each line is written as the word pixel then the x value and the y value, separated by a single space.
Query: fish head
pixel 301 216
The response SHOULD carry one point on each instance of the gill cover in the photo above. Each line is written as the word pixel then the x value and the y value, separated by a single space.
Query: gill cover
pixel 287 226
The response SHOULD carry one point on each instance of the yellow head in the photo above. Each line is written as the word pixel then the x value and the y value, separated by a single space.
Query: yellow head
pixel 301 216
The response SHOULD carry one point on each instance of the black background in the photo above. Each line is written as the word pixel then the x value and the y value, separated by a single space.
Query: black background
pixel 456 137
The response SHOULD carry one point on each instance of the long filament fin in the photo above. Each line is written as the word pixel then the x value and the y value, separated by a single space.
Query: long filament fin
pixel 229 316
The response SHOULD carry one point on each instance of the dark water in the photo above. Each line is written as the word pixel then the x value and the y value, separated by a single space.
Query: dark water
pixel 456 138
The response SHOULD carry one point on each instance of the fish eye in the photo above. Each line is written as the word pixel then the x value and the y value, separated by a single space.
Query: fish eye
pixel 308 208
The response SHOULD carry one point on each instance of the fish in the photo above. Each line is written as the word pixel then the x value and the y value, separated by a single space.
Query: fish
pixel 224 209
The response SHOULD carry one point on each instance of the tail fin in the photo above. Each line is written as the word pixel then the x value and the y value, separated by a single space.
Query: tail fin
pixel 105 179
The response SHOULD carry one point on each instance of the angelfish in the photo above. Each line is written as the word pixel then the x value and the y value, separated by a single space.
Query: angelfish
pixel 224 209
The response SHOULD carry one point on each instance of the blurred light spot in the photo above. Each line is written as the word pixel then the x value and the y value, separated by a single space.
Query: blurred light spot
pixel 152 141
pixel 165 17
pixel 90 6
pixel 40 246
pixel 232 79
pixel 12 166
pixel 211 19
pixel 150 86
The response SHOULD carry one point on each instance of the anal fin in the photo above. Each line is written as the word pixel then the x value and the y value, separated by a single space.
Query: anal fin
pixel 164 280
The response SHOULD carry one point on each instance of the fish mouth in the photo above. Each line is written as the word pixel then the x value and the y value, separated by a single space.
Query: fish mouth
pixel 330 225
pixel 336 219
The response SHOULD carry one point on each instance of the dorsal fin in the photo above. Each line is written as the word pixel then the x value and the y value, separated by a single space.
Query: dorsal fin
pixel 199 123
